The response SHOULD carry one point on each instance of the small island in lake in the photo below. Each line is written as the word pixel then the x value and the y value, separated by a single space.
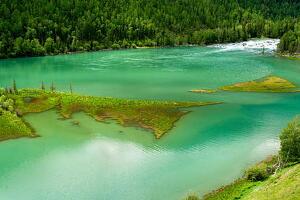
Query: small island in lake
pixel 265 84
pixel 157 116
pixel 208 91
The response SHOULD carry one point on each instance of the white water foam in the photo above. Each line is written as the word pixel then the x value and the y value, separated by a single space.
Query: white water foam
pixel 269 45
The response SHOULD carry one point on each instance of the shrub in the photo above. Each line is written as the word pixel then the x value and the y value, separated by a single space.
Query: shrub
pixel 290 142
pixel 115 46
pixel 258 173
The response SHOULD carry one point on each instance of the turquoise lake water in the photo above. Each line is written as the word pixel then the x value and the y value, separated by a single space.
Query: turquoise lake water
pixel 207 148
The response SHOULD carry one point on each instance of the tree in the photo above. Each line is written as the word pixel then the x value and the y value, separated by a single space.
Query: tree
pixel 71 88
pixel 49 45
pixel 52 88
pixel 18 46
pixel 289 42
pixel 37 48
pixel 43 86
pixel 15 90
pixel 29 29
pixel 290 142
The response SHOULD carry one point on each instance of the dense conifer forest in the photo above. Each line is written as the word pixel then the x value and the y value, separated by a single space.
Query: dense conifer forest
pixel 40 27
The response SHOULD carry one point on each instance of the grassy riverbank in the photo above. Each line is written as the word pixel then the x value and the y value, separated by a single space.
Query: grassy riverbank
pixel 157 116
pixel 295 56
pixel 285 184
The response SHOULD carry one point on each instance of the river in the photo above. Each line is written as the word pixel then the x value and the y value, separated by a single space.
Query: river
pixel 209 147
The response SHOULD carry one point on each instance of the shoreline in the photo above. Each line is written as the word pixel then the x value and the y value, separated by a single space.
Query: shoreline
pixel 215 45
pixel 295 56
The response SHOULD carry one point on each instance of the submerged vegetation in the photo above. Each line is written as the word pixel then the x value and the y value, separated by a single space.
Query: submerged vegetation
pixel 276 178
pixel 265 84
pixel 40 27
pixel 157 116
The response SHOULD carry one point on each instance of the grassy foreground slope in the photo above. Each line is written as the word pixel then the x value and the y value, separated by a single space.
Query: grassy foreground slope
pixel 284 185
pixel 156 116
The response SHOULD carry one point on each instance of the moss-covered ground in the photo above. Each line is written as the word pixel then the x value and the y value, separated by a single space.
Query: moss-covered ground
pixel 12 126
pixel 265 84
pixel 156 116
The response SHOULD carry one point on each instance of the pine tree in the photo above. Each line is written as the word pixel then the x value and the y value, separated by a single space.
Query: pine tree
pixel 71 88
pixel 43 86
pixel 14 89
pixel 52 88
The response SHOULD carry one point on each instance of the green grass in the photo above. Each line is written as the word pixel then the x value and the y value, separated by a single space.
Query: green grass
pixel 157 116
pixel 266 84
pixel 236 190
pixel 12 126
pixel 283 185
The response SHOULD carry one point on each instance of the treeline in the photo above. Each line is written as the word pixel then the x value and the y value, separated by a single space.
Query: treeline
pixel 39 27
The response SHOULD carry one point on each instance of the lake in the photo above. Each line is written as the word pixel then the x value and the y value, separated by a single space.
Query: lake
pixel 209 147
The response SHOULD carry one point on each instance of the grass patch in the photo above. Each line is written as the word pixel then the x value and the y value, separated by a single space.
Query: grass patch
pixel 285 184
pixel 12 126
pixel 266 84
pixel 233 191
pixel 156 116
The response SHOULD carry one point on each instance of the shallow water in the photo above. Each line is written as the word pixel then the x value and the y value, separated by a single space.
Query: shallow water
pixel 208 147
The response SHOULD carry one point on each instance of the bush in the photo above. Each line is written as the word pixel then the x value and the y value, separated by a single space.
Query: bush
pixel 258 173
pixel 115 46
pixel 290 142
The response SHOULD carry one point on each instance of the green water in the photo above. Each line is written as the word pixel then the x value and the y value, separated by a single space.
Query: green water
pixel 209 147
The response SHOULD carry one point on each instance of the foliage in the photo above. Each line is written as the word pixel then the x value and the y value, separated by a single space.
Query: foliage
pixel 290 41
pixel 258 172
pixel 11 126
pixel 39 27
pixel 290 142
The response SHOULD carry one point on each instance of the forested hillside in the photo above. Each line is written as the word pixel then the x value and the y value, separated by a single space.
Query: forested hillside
pixel 39 27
